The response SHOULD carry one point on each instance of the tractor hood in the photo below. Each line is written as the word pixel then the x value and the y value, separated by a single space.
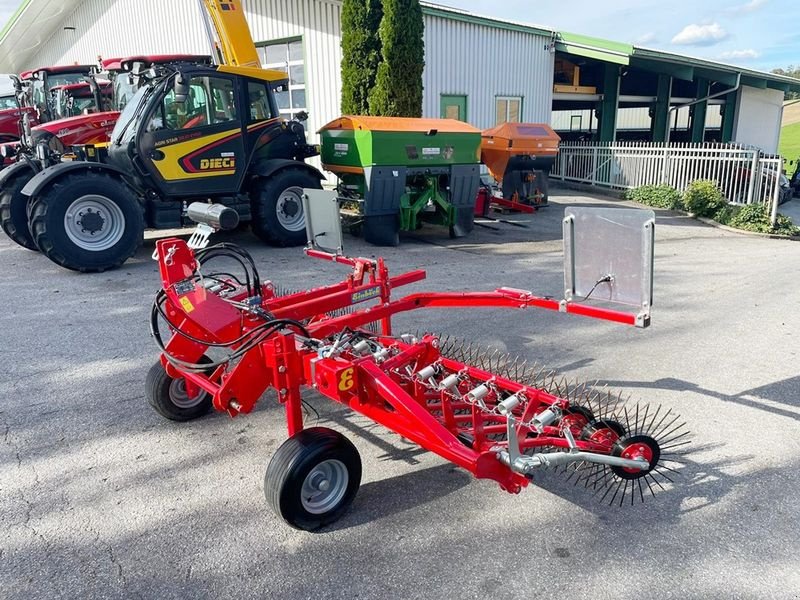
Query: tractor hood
pixel 61 127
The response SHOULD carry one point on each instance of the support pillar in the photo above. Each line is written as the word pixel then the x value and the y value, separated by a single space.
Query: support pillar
pixel 699 111
pixel 729 116
pixel 660 111
pixel 607 127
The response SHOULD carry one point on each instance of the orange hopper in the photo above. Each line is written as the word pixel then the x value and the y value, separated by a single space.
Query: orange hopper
pixel 519 156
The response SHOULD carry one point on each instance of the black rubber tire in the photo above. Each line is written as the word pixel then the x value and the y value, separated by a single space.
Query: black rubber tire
pixel 14 211
pixel 292 463
pixel 598 424
pixel 264 205
pixel 47 213
pixel 382 230
pixel 159 389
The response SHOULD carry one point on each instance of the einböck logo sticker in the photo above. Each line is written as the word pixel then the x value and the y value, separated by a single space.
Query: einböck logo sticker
pixel 364 295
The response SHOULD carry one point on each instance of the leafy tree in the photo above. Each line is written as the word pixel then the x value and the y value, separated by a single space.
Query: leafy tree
pixel 790 71
pixel 361 53
pixel 398 86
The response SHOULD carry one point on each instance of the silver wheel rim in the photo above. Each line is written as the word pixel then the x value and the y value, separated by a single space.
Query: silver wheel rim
pixel 289 209
pixel 94 222
pixel 324 487
pixel 180 397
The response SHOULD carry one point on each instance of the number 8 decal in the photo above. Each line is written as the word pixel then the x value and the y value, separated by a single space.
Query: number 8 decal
pixel 346 381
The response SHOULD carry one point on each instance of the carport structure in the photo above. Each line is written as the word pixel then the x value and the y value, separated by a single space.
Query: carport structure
pixel 607 76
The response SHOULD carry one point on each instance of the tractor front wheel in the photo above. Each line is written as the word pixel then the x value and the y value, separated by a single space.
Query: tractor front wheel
pixel 14 211
pixel 89 222
pixel 277 207
pixel 172 398
pixel 313 478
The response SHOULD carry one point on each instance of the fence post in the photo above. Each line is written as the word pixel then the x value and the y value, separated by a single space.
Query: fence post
pixel 664 163
pixel 754 176
pixel 776 188
pixel 594 165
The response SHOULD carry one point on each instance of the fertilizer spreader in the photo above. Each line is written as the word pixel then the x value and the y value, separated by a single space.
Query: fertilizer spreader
pixel 233 337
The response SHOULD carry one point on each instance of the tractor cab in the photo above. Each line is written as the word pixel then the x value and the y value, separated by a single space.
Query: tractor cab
pixel 74 99
pixel 13 105
pixel 130 73
pixel 195 130
pixel 45 79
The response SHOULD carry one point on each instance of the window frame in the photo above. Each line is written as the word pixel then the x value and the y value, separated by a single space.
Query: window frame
pixel 291 111
pixel 508 99
pixel 209 92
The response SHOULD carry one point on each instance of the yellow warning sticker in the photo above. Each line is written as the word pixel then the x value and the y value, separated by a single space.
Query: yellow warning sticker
pixel 187 304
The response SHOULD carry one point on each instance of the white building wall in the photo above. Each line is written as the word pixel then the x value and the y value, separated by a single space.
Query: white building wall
pixel 461 58
pixel 758 118
pixel 468 59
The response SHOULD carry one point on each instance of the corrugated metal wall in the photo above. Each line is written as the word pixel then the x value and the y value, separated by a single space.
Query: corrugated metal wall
pixel 461 58
pixel 482 63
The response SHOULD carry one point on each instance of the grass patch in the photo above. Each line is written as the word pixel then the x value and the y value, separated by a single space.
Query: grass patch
pixel 790 142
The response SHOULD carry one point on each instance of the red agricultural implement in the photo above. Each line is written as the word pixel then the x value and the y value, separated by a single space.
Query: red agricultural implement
pixel 235 337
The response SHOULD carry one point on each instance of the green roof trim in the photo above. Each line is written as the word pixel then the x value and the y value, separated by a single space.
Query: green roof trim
pixel 596 43
pixel 591 47
pixel 454 14
pixel 13 19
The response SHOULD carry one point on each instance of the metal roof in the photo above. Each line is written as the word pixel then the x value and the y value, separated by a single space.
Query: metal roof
pixel 678 65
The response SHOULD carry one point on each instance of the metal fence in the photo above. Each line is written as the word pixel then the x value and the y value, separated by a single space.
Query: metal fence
pixel 745 175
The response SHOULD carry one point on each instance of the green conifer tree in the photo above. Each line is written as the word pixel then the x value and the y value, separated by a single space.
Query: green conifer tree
pixel 398 86
pixel 361 53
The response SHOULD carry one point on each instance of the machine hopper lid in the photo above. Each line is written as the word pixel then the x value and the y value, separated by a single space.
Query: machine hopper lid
pixel 367 123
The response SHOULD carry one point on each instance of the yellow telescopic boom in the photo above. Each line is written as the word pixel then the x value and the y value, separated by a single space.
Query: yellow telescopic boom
pixel 235 43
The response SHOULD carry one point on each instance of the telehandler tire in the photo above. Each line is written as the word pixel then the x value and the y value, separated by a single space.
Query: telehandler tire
pixel 277 207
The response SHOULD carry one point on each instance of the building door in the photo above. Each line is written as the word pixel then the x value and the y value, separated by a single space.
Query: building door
pixel 454 107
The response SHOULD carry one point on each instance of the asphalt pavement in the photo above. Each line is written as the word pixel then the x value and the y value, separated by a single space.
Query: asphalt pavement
pixel 102 498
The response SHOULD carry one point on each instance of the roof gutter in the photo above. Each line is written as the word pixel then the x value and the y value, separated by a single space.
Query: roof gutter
pixel 699 100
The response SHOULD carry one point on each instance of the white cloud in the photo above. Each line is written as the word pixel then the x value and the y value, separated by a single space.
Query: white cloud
pixel 748 54
pixel 700 35
pixel 646 38
pixel 749 7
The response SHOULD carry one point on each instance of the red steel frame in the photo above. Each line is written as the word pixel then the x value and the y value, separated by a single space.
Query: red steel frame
pixel 387 391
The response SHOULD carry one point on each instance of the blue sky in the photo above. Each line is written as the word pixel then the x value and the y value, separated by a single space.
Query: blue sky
pixel 760 34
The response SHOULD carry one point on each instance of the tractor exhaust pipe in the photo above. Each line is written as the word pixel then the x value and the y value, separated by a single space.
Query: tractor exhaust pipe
pixel 217 216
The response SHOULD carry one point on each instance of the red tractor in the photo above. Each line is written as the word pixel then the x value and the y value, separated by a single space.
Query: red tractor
pixel 13 105
pixel 86 113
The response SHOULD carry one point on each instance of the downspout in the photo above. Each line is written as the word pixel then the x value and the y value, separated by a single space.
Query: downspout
pixel 699 100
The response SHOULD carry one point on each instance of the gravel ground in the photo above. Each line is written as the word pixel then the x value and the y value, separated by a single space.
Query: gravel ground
pixel 101 498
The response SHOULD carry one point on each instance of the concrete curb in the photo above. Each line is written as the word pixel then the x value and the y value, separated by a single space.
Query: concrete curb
pixel 606 193
pixel 772 236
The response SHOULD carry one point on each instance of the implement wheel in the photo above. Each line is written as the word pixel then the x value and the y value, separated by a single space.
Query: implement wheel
pixel 89 222
pixel 14 211
pixel 172 398
pixel 313 478
pixel 277 206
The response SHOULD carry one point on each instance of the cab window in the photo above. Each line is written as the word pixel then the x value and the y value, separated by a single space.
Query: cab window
pixel 211 101
pixel 258 102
